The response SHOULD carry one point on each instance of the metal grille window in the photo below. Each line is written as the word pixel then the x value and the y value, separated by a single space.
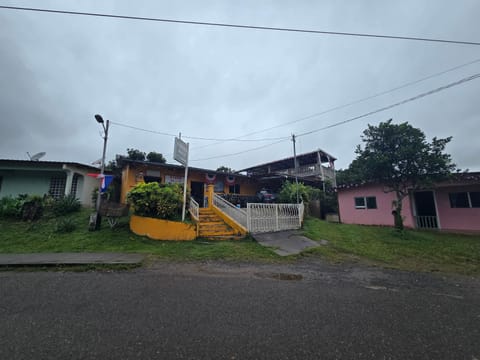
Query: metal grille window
pixel 57 186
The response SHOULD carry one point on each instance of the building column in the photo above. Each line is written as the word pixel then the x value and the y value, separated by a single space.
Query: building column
pixel 68 183
pixel 210 195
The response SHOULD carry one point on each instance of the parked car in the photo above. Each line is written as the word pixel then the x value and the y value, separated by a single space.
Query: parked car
pixel 266 196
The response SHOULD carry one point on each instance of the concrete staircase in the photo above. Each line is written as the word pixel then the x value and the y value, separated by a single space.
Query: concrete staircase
pixel 210 225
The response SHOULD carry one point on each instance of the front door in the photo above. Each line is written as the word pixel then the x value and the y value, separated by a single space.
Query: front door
pixel 197 192
pixel 426 213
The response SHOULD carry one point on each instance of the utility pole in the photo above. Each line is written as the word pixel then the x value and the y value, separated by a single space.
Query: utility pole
pixel 295 165
pixel 95 221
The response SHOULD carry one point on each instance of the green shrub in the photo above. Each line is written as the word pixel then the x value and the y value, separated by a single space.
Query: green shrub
pixel 32 208
pixel 25 207
pixel 65 205
pixel 288 193
pixel 10 207
pixel 65 225
pixel 155 200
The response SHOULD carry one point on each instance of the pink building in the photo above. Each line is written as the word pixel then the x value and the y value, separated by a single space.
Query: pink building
pixel 450 205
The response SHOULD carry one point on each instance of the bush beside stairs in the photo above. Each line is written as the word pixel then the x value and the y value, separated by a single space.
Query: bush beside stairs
pixel 211 226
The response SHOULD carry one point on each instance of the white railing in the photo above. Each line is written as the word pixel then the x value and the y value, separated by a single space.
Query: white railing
pixel 274 217
pixel 309 170
pixel 194 209
pixel 237 214
pixel 426 222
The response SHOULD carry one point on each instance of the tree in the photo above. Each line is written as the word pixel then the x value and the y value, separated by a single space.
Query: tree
pixel 134 154
pixel 156 157
pixel 399 157
pixel 288 192
pixel 225 169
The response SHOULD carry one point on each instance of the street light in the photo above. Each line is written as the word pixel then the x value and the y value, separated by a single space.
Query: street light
pixel 95 220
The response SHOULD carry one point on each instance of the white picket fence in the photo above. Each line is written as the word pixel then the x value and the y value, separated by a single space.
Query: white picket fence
pixel 260 217
pixel 274 217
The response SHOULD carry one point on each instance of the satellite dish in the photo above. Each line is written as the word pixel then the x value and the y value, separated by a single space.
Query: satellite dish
pixel 97 162
pixel 37 156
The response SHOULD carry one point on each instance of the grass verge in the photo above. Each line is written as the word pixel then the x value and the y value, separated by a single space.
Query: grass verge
pixel 43 236
pixel 408 250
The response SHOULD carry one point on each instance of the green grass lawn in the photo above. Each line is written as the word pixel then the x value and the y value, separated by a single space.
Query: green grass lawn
pixel 41 236
pixel 409 250
pixel 382 246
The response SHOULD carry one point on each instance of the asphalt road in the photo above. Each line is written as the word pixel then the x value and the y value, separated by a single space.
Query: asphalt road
pixel 239 311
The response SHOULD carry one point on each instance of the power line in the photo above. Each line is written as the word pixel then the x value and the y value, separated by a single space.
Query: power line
pixel 419 96
pixel 239 26
pixel 196 137
pixel 353 102
pixel 142 129
pixel 243 151
pixel 461 81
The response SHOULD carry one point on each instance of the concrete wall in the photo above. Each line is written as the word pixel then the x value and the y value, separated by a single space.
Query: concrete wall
pixel 17 182
pixel 382 215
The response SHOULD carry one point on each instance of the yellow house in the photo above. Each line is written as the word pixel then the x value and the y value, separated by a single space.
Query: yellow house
pixel 134 171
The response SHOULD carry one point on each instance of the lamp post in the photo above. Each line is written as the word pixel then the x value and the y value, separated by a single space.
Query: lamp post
pixel 95 223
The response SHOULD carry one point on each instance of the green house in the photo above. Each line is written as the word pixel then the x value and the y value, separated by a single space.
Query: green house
pixel 55 178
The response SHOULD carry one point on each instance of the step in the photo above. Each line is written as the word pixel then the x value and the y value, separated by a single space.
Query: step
pixel 209 218
pixel 213 224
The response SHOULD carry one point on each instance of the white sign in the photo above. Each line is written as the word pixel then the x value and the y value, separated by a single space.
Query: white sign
pixel 180 151
pixel 172 179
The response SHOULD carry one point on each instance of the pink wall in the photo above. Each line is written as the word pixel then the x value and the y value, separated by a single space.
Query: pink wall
pixel 382 215
pixel 456 218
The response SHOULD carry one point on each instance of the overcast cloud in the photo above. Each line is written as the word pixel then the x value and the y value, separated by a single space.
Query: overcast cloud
pixel 57 71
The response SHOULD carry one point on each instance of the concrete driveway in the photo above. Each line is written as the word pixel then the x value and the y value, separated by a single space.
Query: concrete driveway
pixel 284 243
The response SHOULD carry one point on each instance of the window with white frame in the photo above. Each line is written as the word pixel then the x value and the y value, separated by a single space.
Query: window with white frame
pixel 465 199
pixel 366 202
pixel 57 186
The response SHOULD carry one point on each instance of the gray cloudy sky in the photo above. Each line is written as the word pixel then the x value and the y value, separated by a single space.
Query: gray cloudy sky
pixel 57 71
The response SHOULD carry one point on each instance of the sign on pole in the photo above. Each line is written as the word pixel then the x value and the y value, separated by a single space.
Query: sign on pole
pixel 180 153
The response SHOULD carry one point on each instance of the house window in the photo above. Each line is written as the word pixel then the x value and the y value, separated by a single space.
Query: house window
pixel 465 199
pixel 371 202
pixel 73 189
pixel 152 176
pixel 149 179
pixel 366 202
pixel 234 189
pixel 475 198
pixel 57 186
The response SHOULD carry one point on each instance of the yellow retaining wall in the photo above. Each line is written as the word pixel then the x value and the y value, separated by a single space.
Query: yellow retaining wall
pixel 158 229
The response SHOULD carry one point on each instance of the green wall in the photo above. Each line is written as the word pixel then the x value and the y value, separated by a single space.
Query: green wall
pixel 16 182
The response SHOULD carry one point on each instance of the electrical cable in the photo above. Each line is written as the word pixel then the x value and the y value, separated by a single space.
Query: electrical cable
pixel 352 102
pixel 461 81
pixel 243 151
pixel 250 27
pixel 419 96
pixel 195 137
